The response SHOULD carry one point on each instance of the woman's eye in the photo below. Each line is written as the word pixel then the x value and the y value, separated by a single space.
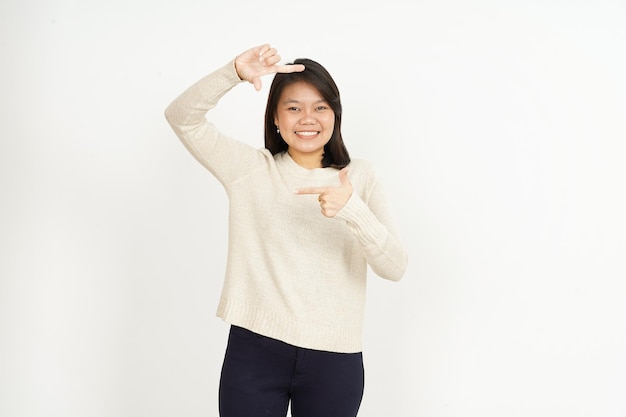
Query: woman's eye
pixel 292 109
pixel 320 108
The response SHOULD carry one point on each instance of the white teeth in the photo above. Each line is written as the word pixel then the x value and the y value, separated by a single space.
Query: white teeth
pixel 306 133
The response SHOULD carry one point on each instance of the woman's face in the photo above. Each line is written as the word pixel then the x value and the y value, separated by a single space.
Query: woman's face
pixel 306 123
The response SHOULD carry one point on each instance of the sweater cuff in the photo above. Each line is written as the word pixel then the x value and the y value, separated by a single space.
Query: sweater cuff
pixel 232 72
pixel 361 219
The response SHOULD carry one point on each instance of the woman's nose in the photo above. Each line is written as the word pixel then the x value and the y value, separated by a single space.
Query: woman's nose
pixel 307 117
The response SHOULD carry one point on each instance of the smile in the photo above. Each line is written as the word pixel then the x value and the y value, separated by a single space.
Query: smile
pixel 307 133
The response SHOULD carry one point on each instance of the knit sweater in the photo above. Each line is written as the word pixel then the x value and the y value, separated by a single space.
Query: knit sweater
pixel 292 274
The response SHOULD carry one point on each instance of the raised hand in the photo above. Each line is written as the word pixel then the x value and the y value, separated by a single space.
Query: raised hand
pixel 332 199
pixel 261 60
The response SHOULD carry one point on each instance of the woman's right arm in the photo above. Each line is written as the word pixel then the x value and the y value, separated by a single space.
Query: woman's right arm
pixel 223 156
pixel 187 117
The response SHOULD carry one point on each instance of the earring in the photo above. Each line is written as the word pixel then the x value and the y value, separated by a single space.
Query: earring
pixel 277 130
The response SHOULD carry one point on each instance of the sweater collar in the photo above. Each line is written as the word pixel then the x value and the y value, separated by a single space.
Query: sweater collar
pixel 292 168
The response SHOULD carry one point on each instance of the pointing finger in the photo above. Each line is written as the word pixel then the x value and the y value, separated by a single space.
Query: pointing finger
pixel 310 190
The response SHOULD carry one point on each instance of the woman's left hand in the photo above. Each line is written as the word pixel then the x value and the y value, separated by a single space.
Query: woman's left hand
pixel 332 199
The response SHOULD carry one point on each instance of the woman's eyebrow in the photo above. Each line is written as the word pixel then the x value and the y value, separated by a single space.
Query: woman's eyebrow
pixel 293 100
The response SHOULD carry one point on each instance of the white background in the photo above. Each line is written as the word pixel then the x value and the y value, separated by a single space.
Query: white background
pixel 498 127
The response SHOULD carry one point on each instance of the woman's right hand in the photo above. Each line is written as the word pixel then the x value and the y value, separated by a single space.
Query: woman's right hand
pixel 261 60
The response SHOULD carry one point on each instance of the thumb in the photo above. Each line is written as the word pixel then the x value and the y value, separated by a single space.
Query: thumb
pixel 256 81
pixel 343 176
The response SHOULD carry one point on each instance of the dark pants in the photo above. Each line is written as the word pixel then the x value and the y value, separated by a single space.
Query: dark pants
pixel 261 375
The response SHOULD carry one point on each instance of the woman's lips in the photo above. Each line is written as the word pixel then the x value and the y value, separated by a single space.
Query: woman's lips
pixel 307 134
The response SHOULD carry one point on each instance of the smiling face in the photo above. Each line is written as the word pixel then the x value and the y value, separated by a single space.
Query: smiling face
pixel 306 123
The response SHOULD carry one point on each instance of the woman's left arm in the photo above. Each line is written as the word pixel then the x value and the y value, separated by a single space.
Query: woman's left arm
pixel 373 225
pixel 369 218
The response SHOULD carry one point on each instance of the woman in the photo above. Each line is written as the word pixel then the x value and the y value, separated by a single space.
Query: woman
pixel 304 223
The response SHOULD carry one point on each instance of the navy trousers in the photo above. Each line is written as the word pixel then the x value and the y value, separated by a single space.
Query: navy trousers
pixel 261 376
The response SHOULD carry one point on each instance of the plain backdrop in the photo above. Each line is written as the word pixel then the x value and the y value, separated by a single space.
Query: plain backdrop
pixel 498 128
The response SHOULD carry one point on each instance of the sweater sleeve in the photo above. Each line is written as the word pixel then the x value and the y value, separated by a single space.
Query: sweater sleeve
pixel 373 226
pixel 227 159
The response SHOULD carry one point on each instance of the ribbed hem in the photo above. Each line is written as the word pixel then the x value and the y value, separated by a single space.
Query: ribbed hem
pixel 338 339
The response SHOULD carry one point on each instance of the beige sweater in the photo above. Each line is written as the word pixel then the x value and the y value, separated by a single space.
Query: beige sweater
pixel 292 274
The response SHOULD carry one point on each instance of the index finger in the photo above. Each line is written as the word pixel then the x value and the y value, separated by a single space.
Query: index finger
pixel 310 190
pixel 286 69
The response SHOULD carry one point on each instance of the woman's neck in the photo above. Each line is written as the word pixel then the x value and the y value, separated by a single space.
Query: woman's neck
pixel 308 161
